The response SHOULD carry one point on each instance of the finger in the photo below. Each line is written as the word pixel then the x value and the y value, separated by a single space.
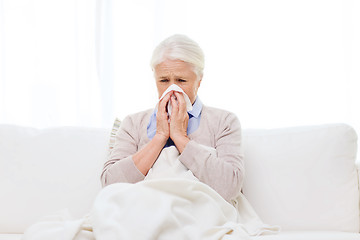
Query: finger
pixel 167 97
pixel 164 101
pixel 181 100
pixel 174 104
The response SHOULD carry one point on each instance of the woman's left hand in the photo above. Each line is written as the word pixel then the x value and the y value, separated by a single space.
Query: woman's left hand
pixel 179 121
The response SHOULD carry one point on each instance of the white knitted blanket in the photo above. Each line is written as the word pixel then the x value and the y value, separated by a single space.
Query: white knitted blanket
pixel 171 203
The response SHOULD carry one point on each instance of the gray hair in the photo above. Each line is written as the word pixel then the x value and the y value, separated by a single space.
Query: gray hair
pixel 179 47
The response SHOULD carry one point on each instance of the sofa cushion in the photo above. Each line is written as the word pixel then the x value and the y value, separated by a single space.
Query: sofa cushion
pixel 295 235
pixel 44 171
pixel 303 178
pixel 114 130
pixel 10 236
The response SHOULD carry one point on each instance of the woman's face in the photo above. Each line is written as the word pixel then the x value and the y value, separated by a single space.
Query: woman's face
pixel 177 72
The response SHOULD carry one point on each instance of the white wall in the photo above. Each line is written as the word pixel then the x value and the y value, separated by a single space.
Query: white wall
pixel 275 63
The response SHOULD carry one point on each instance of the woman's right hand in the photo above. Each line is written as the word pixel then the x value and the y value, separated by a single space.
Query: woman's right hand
pixel 145 158
pixel 162 119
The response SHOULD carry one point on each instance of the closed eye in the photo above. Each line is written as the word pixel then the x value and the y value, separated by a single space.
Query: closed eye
pixel 164 80
pixel 181 80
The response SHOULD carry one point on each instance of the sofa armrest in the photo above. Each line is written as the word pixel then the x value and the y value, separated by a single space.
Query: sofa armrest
pixel 358 170
pixel 358 174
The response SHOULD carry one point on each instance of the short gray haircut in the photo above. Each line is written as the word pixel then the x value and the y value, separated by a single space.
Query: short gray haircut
pixel 179 47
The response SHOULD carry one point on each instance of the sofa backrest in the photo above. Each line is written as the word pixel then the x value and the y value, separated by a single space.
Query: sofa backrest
pixel 303 178
pixel 43 171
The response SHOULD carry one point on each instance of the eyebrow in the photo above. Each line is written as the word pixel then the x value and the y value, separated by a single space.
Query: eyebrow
pixel 176 77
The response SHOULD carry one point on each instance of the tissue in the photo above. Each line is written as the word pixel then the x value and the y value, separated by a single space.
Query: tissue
pixel 176 88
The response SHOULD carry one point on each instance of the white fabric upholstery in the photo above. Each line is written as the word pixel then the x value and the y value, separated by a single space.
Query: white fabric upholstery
pixel 10 236
pixel 293 235
pixel 358 172
pixel 311 235
pixel 43 171
pixel 172 197
pixel 303 178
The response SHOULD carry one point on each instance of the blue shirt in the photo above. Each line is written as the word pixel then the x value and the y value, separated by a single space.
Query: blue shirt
pixel 194 122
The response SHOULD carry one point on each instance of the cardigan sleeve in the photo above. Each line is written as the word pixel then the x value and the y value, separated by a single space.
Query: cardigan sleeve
pixel 224 170
pixel 120 166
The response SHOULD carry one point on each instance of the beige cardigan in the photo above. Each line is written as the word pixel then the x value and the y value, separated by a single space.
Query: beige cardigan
pixel 224 172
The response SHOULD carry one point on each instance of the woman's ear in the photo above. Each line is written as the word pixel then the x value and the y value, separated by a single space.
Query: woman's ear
pixel 199 83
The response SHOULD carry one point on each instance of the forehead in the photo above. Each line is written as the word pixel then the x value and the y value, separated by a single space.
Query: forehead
pixel 174 67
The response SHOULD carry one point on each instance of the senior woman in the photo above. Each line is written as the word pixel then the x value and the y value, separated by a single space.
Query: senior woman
pixel 142 136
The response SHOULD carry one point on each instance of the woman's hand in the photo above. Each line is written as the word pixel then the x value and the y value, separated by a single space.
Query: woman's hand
pixel 145 158
pixel 179 121
pixel 162 123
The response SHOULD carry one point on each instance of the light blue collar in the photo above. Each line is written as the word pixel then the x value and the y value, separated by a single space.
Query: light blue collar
pixel 197 107
pixel 194 119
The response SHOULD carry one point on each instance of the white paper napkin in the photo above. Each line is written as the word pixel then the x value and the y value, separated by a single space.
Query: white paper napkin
pixel 176 88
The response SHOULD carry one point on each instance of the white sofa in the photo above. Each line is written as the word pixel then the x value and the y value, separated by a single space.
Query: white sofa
pixel 303 179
